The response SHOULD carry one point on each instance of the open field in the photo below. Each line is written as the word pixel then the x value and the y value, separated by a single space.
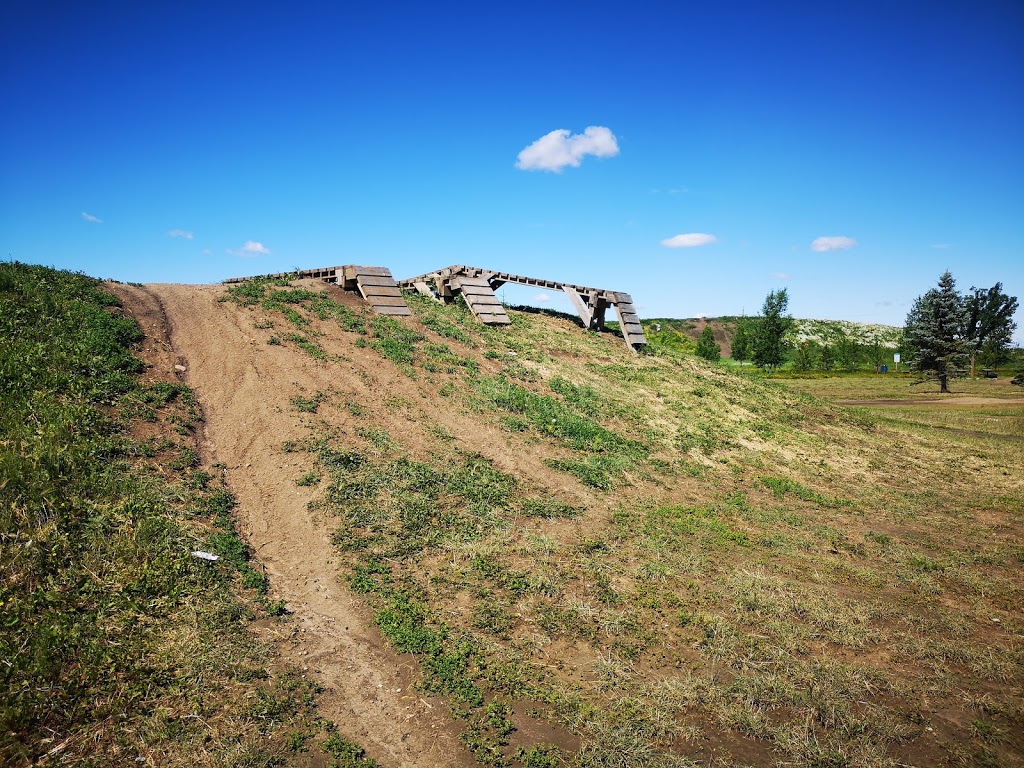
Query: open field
pixel 900 387
pixel 528 547
pixel 983 409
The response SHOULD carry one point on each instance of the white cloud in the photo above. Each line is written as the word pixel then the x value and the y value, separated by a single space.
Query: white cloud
pixel 180 233
pixel 689 240
pixel 823 244
pixel 250 249
pixel 542 298
pixel 781 275
pixel 942 246
pixel 90 217
pixel 558 149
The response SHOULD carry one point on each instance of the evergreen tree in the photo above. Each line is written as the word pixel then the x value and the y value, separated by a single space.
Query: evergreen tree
pixel 769 344
pixel 740 349
pixel 706 346
pixel 935 330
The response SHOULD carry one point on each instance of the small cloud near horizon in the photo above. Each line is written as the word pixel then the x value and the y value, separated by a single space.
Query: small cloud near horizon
pixel 839 243
pixel 90 217
pixel 182 233
pixel 250 250
pixel 542 298
pixel 689 240
pixel 559 149
pixel 781 275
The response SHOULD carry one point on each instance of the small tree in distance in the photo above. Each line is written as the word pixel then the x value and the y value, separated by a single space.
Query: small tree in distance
pixel 740 348
pixel 828 358
pixel 706 346
pixel 769 345
pixel 806 355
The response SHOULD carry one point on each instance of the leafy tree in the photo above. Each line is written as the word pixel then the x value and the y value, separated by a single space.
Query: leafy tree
pixel 828 358
pixel 876 353
pixel 706 346
pixel 990 324
pixel 740 349
pixel 993 354
pixel 935 328
pixel 769 344
pixel 806 355
pixel 847 350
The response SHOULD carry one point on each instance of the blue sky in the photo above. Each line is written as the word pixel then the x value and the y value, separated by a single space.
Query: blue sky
pixel 189 143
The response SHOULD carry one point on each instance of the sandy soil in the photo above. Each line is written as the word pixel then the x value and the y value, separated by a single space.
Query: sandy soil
pixel 244 387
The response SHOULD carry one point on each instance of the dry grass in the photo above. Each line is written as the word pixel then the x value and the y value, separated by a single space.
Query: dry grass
pixel 752 575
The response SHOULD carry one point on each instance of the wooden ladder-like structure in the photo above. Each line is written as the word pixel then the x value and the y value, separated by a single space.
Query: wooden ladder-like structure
pixel 481 299
pixel 477 287
pixel 375 284
pixel 378 287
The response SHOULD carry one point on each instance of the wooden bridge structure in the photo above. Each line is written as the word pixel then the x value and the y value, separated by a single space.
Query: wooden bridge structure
pixel 477 287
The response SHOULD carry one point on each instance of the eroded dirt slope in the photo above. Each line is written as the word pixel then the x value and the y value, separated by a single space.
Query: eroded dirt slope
pixel 244 388
pixel 710 522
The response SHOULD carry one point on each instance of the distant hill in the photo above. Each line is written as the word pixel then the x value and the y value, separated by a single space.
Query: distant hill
pixel 682 334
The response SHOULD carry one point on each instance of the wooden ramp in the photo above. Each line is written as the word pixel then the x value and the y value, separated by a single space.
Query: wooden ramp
pixel 378 287
pixel 629 322
pixel 477 287
pixel 481 300
pixel 375 284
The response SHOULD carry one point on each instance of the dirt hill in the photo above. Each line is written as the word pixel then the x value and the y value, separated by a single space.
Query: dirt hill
pixel 526 546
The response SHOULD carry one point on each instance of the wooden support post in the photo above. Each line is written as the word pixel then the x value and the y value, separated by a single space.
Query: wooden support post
pixel 600 305
pixel 586 312
pixel 424 289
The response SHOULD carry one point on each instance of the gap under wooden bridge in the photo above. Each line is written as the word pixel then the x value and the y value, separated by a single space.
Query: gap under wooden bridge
pixel 477 287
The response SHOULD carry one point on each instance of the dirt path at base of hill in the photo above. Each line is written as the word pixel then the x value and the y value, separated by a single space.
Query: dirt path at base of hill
pixel 368 689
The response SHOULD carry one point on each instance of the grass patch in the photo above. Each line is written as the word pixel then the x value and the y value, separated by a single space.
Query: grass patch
pixel 109 621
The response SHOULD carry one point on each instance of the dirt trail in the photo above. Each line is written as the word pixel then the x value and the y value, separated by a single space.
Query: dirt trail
pixel 244 389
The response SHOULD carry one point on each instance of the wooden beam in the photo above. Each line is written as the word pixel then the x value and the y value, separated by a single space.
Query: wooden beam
pixel 585 312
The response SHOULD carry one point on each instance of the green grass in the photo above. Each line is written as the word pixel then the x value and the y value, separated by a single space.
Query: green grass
pixel 110 627
pixel 740 566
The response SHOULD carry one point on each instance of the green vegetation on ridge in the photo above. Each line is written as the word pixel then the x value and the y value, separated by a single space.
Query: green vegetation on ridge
pixel 116 644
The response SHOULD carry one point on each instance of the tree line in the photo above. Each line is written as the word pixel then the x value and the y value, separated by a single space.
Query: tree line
pixel 944 331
